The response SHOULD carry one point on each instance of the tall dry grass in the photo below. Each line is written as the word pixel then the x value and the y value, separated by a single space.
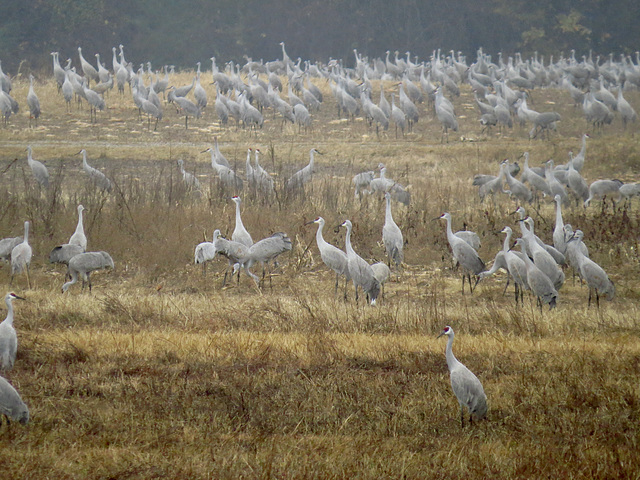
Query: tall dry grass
pixel 162 373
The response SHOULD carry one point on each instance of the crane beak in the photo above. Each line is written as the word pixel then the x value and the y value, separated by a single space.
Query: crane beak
pixel 309 223
pixel 19 298
pixel 441 334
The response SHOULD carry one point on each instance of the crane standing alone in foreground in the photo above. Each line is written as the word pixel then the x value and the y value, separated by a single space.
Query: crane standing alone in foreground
pixel 465 384
pixel 392 235
pixel 8 337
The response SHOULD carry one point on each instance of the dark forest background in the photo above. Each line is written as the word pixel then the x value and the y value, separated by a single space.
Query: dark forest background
pixel 182 32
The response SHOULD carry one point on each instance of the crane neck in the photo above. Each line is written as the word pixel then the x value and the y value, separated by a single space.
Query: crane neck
pixel 452 361
pixel 347 242
pixel 507 241
pixel 319 238
pixel 9 318
pixel 238 217
pixel 80 227
pixel 388 216
pixel 450 235
pixel 26 233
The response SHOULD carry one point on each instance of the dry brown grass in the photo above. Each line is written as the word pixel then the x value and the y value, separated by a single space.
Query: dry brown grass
pixel 161 373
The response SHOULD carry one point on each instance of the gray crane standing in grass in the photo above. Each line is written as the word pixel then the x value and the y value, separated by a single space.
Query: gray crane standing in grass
pixel 514 265
pixel 78 237
pixel 8 336
pixel 40 172
pixel 464 254
pixel 188 108
pixel 240 233
pixel 541 256
pixel 359 270
pixel 99 179
pixel 539 283
pixel 381 273
pixel 33 102
pixel 83 264
pixel 189 179
pixel 392 236
pixel 11 405
pixel 466 386
pixel 21 256
pixel 95 100
pixel 6 246
pixel 263 252
pixel 227 176
pixel 304 175
pixel 592 273
pixel 332 256
pixel 233 251
pixel 77 244
pixel 559 241
pixel 89 70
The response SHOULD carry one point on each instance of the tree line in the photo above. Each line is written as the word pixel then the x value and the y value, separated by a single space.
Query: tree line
pixel 182 32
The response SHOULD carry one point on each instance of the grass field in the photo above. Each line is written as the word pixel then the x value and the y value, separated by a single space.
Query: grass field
pixel 161 373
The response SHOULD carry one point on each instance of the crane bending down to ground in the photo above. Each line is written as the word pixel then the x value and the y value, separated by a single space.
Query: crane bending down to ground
pixel 264 251
pixel 85 263
pixel 11 405
pixel 466 386
pixel 359 270
pixel 8 337
pixel 332 256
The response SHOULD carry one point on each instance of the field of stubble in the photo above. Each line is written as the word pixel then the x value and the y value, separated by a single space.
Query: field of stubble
pixel 162 373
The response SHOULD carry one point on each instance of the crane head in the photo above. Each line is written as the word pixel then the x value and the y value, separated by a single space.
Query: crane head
pixel 13 296
pixel 317 220
pixel 446 331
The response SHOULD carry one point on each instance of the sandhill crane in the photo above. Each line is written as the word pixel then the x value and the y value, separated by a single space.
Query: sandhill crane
pixel 466 386
pixel 578 160
pixel 359 270
pixel 64 253
pixel 220 158
pixel 98 178
pixel 58 71
pixel 408 107
pixel 264 251
pixel 627 113
pixel 85 263
pixel 577 184
pixel 95 100
pixel 302 117
pixel 554 185
pixel 537 182
pixel 263 179
pixel 304 175
pixel 6 245
pixel 11 405
pixel 559 242
pixel 603 188
pixel 381 272
pixel 227 176
pixel 592 273
pixel 392 236
pixel 8 336
pixel 517 188
pixel 512 263
pixel 199 93
pixel 332 256
pixel 89 70
pixel 445 114
pixel 78 237
pixel 541 256
pixel 67 91
pixel 629 190
pixel 40 172
pixel 539 283
pixel 362 182
pixel 21 256
pixel 463 254
pixel 544 122
pixel 240 233
pixel 233 251
pixel 222 111
pixel 33 102
pixel 189 179
pixel 398 116
pixel 188 108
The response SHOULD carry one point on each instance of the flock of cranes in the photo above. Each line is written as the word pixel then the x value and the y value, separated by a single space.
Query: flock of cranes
pixel 242 93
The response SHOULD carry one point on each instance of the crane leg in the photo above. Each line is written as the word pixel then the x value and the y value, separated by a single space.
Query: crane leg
pixel 28 277
pixel 461 417
pixel 337 280
pixel 505 287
